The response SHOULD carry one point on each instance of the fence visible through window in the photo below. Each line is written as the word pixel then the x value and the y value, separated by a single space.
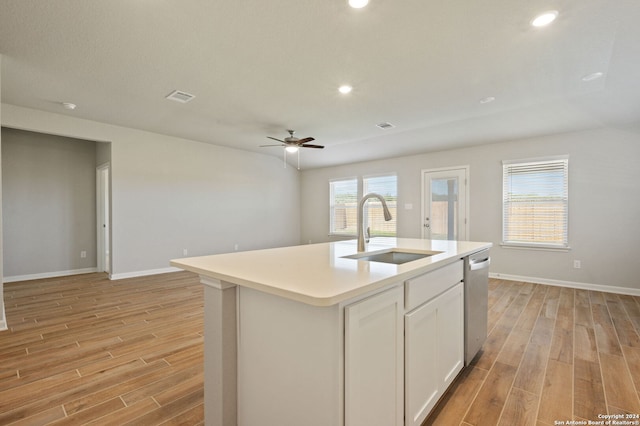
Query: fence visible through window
pixel 536 202
pixel 345 218
pixel 344 196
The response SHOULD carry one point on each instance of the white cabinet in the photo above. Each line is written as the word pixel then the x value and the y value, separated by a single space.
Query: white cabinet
pixel 397 365
pixel 434 351
pixel 374 370
pixel 421 381
pixel 379 360
pixel 450 335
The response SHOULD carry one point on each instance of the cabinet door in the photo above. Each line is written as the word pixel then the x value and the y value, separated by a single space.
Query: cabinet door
pixel 374 360
pixel 450 335
pixel 434 345
pixel 422 376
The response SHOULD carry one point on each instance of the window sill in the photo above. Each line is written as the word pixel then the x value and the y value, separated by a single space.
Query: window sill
pixel 535 247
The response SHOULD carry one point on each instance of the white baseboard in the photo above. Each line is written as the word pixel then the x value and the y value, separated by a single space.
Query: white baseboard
pixel 89 271
pixel 48 275
pixel 143 273
pixel 571 284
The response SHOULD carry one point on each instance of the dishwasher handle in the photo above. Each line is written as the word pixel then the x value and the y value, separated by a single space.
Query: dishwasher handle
pixel 474 264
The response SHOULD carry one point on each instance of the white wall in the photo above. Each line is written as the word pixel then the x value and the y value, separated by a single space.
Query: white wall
pixel 169 194
pixel 604 203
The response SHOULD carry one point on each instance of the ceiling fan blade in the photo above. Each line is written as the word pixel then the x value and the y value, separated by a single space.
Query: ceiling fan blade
pixel 306 145
pixel 270 145
pixel 305 140
pixel 275 139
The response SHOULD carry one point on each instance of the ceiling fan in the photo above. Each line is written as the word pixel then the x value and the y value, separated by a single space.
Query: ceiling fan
pixel 291 143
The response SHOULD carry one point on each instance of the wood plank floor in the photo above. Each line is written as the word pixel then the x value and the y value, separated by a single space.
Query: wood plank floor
pixel 86 350
pixel 553 354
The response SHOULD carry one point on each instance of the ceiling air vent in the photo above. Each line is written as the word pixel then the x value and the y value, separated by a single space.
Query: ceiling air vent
pixel 385 125
pixel 180 96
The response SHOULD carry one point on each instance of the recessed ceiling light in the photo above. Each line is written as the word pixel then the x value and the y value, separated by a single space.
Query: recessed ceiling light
pixel 68 105
pixel 358 4
pixel 385 125
pixel 487 100
pixel 344 89
pixel 545 18
pixel 592 76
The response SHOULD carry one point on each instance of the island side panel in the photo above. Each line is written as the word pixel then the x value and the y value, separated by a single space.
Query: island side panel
pixel 290 362
pixel 220 352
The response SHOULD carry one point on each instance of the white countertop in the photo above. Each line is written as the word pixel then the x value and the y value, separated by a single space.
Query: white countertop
pixel 317 274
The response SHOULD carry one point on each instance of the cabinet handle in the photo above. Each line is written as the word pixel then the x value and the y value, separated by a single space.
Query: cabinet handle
pixel 474 265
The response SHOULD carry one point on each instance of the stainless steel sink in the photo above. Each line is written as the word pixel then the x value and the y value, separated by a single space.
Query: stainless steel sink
pixel 395 256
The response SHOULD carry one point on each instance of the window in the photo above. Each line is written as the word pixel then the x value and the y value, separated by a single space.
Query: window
pixel 373 211
pixel 343 205
pixel 344 196
pixel 535 201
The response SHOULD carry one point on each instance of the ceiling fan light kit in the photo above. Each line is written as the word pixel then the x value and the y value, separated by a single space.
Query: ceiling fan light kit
pixel 545 18
pixel 358 4
pixel 293 144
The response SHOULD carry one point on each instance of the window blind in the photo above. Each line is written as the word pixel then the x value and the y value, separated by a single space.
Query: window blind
pixel 536 203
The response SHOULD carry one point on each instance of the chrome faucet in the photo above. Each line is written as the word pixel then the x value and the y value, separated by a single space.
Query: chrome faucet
pixel 387 217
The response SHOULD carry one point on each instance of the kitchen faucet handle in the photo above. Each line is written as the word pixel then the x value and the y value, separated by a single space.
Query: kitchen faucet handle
pixel 368 235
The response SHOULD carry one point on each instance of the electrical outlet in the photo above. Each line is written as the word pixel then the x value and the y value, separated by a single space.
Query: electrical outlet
pixel 185 252
pixel 83 254
pixel 235 247
pixel 576 264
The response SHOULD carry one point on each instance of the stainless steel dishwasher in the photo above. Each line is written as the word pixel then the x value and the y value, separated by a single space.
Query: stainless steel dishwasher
pixel 476 308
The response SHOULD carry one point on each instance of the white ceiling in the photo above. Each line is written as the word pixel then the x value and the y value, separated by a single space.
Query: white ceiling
pixel 258 68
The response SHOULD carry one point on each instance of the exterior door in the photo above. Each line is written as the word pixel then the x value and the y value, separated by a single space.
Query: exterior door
pixel 444 205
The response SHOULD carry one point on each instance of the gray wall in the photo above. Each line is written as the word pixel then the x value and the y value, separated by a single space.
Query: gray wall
pixel 103 153
pixel 48 203
pixel 604 203
pixel 3 322
pixel 170 194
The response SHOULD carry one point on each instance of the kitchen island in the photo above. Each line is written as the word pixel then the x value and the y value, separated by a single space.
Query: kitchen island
pixel 304 335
